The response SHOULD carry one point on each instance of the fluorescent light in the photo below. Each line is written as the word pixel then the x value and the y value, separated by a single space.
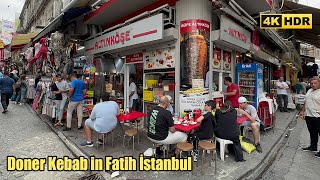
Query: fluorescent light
pixel 80 48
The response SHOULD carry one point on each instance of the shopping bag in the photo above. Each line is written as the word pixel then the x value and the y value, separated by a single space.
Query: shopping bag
pixel 240 120
pixel 248 147
pixel 13 97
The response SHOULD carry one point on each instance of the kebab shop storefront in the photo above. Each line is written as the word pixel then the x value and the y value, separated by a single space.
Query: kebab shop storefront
pixel 149 53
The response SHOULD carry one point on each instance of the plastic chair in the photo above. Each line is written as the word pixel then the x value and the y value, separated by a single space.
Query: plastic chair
pixel 223 144
pixel 246 129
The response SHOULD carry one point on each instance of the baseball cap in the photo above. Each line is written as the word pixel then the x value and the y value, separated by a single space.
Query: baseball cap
pixel 242 100
pixel 169 97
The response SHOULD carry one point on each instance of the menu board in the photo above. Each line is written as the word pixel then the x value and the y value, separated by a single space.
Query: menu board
pixel 193 102
pixel 227 60
pixel 217 58
pixel 197 83
pixel 160 59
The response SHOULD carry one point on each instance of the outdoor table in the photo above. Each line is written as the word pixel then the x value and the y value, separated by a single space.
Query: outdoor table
pixel 186 129
pixel 131 117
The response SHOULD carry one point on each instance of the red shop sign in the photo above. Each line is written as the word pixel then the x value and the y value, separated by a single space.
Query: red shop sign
pixel 134 58
pixel 237 34
pixel 194 24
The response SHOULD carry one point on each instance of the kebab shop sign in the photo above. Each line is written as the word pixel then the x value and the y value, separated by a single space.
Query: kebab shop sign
pixel 193 102
pixel 146 30
pixel 194 24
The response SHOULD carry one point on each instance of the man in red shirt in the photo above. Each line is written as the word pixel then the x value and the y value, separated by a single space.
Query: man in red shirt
pixel 232 93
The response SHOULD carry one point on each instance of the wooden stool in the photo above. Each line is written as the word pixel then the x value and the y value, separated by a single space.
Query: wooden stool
pixel 184 146
pixel 103 138
pixel 131 133
pixel 207 146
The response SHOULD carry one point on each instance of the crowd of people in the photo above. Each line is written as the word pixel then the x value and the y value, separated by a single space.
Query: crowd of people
pixel 225 122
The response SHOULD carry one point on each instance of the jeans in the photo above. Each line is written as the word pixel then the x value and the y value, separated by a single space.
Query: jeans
pixel 21 95
pixel 5 99
pixel 313 125
pixel 60 108
pixel 72 105
pixel 283 97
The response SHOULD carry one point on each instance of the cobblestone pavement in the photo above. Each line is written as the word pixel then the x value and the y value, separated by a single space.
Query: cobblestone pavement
pixel 292 163
pixel 24 135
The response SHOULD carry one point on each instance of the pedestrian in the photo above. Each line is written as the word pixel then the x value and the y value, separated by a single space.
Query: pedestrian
pixel 60 89
pixel 22 84
pixel 282 95
pixel 103 119
pixel 7 88
pixel 133 96
pixel 311 113
pixel 76 97
pixel 232 93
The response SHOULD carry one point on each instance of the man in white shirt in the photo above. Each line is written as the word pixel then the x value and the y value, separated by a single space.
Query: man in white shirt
pixel 311 112
pixel 133 97
pixel 282 94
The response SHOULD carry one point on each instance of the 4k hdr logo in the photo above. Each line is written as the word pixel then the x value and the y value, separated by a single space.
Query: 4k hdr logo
pixel 286 21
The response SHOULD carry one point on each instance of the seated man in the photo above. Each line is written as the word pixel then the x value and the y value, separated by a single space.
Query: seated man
pixel 160 126
pixel 250 112
pixel 169 108
pixel 103 119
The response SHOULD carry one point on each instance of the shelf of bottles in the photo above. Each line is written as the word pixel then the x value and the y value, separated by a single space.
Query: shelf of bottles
pixel 247 84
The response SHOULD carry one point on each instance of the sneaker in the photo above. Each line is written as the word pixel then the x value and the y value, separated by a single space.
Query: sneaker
pixel 4 111
pixel 100 141
pixel 66 129
pixel 15 103
pixel 286 110
pixel 81 127
pixel 88 144
pixel 317 155
pixel 20 104
pixel 258 148
pixel 309 149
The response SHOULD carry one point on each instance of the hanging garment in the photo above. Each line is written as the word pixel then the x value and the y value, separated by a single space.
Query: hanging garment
pixel 42 53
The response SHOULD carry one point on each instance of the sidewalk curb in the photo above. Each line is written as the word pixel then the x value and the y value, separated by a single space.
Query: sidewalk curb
pixel 71 146
pixel 271 155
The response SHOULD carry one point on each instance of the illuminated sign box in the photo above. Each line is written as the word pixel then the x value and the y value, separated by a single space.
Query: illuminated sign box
pixel 286 21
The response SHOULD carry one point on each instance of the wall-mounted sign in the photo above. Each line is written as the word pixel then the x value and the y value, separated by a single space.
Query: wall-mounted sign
pixel 227 60
pixel 134 58
pixel 160 59
pixel 146 30
pixel 233 33
pixel 194 45
pixel 217 58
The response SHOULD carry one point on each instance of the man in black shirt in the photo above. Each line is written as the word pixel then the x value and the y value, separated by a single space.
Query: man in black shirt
pixel 161 128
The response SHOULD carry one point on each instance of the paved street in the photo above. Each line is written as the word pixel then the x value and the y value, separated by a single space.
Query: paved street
pixel 24 135
pixel 292 163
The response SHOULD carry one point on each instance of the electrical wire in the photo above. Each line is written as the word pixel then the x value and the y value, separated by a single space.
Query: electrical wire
pixel 279 8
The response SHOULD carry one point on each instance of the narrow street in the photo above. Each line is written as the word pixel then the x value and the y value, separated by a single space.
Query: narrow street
pixel 292 163
pixel 25 135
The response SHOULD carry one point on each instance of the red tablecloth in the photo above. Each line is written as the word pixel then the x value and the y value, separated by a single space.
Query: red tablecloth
pixel 131 116
pixel 188 128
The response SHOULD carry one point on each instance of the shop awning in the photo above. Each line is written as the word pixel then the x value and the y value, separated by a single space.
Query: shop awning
pixel 254 7
pixel 74 9
pixel 310 36
pixel 113 10
pixel 19 40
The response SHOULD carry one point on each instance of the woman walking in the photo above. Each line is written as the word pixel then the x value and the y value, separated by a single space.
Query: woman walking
pixel 23 90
